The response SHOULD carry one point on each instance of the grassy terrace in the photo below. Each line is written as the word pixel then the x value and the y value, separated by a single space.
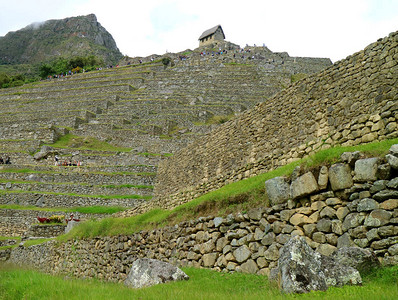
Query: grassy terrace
pixel 79 209
pixel 203 284
pixel 134 196
pixel 235 197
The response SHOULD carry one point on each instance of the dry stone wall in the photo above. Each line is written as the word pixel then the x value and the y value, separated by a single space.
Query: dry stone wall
pixel 349 103
pixel 352 203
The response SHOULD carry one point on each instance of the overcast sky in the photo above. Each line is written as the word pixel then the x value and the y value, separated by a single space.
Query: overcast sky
pixel 315 28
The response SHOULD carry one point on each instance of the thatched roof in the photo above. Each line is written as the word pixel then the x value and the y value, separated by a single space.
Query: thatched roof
pixel 211 31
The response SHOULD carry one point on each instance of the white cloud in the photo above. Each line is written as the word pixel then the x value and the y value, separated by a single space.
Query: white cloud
pixel 319 28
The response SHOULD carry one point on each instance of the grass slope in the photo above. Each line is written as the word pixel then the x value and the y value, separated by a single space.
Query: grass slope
pixel 203 284
pixel 235 197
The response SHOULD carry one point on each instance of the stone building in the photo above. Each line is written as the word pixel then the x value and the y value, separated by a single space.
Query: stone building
pixel 211 35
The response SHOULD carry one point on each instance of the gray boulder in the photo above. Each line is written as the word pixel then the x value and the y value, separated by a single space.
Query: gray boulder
pixel 340 176
pixel 300 269
pixel 147 272
pixel 361 259
pixel 44 152
pixel 366 169
pixel 278 190
pixel 304 185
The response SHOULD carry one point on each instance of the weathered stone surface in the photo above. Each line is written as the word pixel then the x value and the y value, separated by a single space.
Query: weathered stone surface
pixel 272 253
pixel 361 259
pixel 327 212
pixel 323 178
pixel 278 190
pixel 44 152
pixel 340 176
pixel 385 195
pixel 304 185
pixel 351 157
pixel 249 266
pixel 209 259
pixel 389 204
pixel 300 269
pixel 345 241
pixel 377 218
pixel 326 249
pixel 147 272
pixel 352 220
pixel 324 225
pixel 342 212
pixel 242 253
pixel 366 169
pixel 392 161
pixel 298 219
pixel 367 204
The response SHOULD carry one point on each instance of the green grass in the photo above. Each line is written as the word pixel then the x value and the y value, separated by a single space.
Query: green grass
pixel 203 284
pixel 134 196
pixel 80 209
pixel 86 143
pixel 3 238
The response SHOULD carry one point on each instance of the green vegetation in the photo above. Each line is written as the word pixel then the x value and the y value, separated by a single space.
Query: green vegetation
pixel 203 284
pixel 133 196
pixel 75 64
pixel 79 209
pixel 86 143
pixel 235 197
pixel 297 77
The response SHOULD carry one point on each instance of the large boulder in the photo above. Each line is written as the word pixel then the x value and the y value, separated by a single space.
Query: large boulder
pixel 44 152
pixel 278 190
pixel 340 176
pixel 147 272
pixel 300 269
pixel 304 185
pixel 366 169
pixel 361 259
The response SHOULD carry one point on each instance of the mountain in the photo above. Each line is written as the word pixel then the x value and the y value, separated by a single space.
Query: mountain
pixel 75 36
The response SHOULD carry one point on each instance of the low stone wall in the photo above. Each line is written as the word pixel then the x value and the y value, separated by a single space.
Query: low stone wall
pixel 15 222
pixel 45 231
pixel 353 203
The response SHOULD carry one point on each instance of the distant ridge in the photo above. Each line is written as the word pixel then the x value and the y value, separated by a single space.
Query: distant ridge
pixel 75 36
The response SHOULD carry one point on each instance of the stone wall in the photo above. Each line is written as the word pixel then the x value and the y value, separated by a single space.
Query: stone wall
pixel 352 203
pixel 45 231
pixel 15 222
pixel 349 103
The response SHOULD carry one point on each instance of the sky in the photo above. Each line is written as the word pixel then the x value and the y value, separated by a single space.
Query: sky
pixel 312 28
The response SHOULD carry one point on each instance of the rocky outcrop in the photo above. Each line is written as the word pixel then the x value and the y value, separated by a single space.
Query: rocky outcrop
pixel 147 272
pixel 37 43
pixel 301 270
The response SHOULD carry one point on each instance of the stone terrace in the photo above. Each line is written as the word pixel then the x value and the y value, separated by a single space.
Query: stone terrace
pixel 150 108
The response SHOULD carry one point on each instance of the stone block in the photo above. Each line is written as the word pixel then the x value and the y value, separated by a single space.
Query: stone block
pixel 242 253
pixel 377 218
pixel 340 176
pixel 367 204
pixel 278 190
pixel 323 178
pixel 304 185
pixel 366 169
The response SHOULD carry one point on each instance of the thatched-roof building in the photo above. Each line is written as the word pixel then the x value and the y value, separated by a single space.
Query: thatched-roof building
pixel 211 35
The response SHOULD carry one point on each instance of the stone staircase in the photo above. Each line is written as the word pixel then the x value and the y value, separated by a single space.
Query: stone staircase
pixel 150 109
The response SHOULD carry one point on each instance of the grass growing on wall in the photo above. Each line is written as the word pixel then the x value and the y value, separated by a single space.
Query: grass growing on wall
pixel 235 197
pixel 79 209
pixel 203 284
